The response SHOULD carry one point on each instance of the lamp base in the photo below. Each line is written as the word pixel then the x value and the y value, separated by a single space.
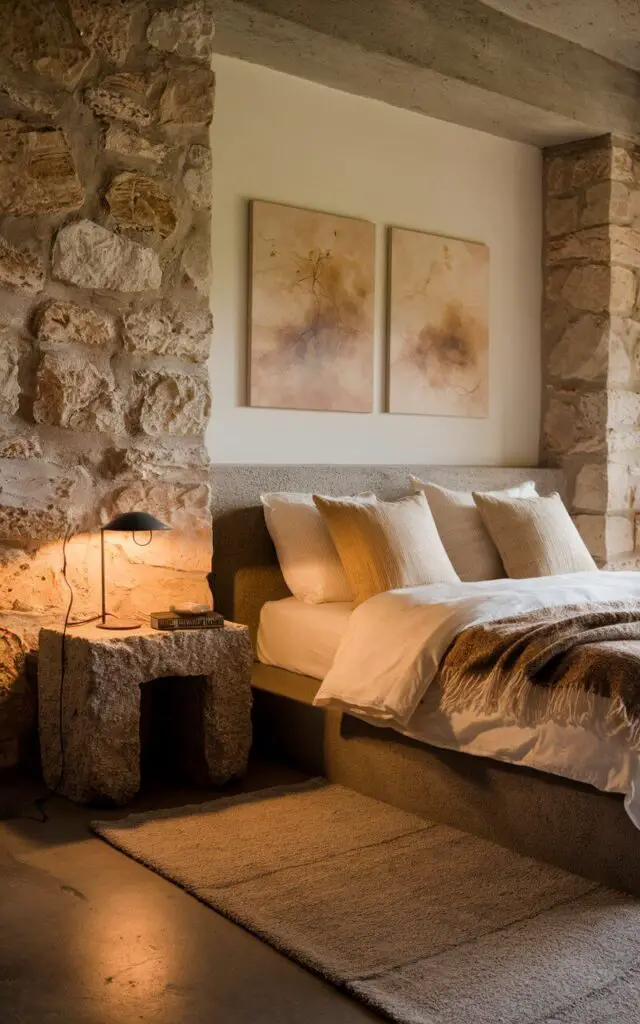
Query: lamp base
pixel 118 624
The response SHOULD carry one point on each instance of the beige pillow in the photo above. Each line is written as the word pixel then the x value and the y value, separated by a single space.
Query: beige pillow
pixel 535 536
pixel 307 555
pixel 466 539
pixel 387 545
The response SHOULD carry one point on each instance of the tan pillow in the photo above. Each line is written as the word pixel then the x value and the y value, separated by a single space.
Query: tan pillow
pixel 387 545
pixel 465 537
pixel 535 536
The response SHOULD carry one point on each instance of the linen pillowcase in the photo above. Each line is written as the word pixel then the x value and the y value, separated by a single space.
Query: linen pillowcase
pixel 466 539
pixel 308 558
pixel 386 545
pixel 535 536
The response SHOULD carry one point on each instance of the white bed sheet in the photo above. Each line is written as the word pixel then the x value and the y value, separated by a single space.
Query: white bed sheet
pixel 302 637
pixel 305 638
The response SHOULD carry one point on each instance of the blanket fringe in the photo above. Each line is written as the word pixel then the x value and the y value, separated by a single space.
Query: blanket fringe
pixel 517 699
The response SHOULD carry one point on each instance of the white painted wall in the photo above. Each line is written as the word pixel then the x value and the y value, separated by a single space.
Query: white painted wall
pixel 283 139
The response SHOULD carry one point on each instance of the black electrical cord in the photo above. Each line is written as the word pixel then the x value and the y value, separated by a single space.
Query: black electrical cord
pixel 41 801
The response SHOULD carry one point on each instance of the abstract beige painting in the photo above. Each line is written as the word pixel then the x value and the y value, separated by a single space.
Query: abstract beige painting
pixel 311 310
pixel 438 325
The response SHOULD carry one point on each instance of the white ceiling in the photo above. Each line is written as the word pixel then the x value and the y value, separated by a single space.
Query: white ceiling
pixel 609 27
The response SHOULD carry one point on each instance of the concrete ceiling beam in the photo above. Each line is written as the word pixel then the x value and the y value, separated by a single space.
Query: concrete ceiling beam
pixel 457 60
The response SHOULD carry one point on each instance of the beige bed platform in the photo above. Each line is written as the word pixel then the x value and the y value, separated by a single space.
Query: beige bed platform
pixel 548 817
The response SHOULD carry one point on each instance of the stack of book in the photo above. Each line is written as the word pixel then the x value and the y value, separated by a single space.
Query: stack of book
pixel 191 620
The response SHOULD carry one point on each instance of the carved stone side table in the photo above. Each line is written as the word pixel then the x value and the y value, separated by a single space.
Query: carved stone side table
pixel 99 758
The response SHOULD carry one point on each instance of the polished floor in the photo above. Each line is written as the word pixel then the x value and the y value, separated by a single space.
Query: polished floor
pixel 88 936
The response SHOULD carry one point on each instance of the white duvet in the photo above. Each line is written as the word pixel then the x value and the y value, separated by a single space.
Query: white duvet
pixel 390 653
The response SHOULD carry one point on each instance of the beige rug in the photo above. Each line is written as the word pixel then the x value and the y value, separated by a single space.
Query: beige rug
pixel 427 924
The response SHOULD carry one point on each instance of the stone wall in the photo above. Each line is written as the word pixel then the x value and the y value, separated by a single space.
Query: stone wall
pixel 104 318
pixel 591 343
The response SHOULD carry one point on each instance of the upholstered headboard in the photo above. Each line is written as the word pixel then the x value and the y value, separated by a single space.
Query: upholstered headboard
pixel 245 569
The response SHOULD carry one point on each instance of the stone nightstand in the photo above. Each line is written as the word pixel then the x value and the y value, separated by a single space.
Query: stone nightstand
pixel 101 704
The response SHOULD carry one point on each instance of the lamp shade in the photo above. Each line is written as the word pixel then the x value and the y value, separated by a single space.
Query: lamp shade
pixel 135 522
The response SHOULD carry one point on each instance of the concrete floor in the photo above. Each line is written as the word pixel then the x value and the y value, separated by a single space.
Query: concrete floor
pixel 87 936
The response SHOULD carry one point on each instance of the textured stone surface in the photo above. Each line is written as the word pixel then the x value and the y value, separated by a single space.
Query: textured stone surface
pixel 102 734
pixel 602 487
pixel 129 143
pixel 141 203
pixel 75 393
pixel 166 330
pixel 97 198
pixel 12 352
pixel 187 30
pixel 196 263
pixel 20 448
pixel 169 403
pixel 106 26
pixel 591 244
pixel 582 352
pixel 62 322
pixel 38 36
pixel 562 216
pixel 588 288
pixel 37 172
pixel 188 98
pixel 197 183
pixel 15 704
pixel 20 270
pixel 89 256
pixel 124 96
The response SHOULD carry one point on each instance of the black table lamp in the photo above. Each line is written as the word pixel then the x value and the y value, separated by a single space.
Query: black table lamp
pixel 128 522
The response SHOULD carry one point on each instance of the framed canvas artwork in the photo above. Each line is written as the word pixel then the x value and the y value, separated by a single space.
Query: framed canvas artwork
pixel 438 325
pixel 311 310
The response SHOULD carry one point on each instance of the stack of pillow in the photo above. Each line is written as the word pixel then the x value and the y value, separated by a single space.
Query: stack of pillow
pixel 349 549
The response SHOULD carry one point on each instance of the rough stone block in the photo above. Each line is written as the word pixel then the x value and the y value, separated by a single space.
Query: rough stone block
pixel 623 409
pixel 625 246
pixel 623 291
pixel 169 403
pixel 597 205
pixel 12 352
pixel 40 37
pixel 20 270
pixel 103 684
pixel 29 98
pixel 16 703
pixel 591 245
pixel 63 322
pixel 196 262
pixel 582 352
pixel 588 288
pixel 199 156
pixel 20 447
pixel 37 172
pixel 39 501
pixel 89 256
pixel 186 30
pixel 129 143
pixel 559 425
pixel 107 26
pixel 124 97
pixel 183 505
pixel 153 459
pixel 622 163
pixel 602 487
pixel 561 216
pixel 166 330
pixel 75 393
pixel 141 203
pixel 592 529
pixel 198 185
pixel 188 97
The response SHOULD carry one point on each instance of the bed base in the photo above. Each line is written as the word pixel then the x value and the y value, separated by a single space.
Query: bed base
pixel 552 819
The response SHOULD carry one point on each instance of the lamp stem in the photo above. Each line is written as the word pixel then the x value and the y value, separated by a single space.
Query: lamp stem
pixel 104 602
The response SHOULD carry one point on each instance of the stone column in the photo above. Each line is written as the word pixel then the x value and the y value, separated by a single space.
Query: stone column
pixel 105 326
pixel 591 338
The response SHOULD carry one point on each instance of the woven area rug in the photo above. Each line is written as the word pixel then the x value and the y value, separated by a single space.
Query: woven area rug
pixel 424 923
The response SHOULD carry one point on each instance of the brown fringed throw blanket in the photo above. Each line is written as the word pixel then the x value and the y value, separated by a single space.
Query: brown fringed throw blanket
pixel 550 664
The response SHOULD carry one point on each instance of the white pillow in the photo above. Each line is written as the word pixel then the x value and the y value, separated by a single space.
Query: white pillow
pixel 307 555
pixel 466 539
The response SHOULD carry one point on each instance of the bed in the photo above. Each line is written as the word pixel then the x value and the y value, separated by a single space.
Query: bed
pixel 468 778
